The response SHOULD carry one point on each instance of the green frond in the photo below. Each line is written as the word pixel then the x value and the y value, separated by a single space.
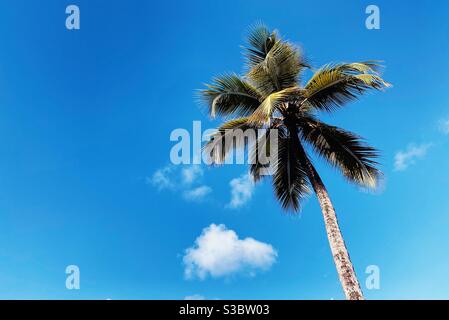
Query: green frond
pixel 260 40
pixel 333 86
pixel 343 150
pixel 261 151
pixel 373 81
pixel 275 101
pixel 370 66
pixel 229 136
pixel 280 68
pixel 290 180
pixel 230 94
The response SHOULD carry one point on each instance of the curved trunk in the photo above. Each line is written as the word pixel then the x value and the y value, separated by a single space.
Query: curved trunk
pixel 345 270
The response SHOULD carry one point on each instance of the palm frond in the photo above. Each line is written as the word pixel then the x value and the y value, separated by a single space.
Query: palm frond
pixel 230 94
pixel 275 101
pixel 229 136
pixel 260 153
pixel 279 69
pixel 333 86
pixel 259 150
pixel 290 179
pixel 260 40
pixel 372 66
pixel 342 149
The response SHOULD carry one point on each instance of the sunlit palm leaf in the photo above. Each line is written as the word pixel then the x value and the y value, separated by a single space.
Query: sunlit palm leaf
pixel 334 85
pixel 230 94
pixel 279 70
pixel 260 40
pixel 371 66
pixel 275 101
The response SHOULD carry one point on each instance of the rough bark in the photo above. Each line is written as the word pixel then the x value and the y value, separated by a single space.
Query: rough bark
pixel 345 270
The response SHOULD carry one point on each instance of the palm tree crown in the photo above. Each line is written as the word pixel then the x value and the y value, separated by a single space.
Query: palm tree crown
pixel 271 95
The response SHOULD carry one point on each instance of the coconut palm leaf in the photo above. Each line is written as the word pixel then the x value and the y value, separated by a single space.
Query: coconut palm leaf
pixel 333 86
pixel 290 180
pixel 229 136
pixel 230 94
pixel 342 149
pixel 260 40
pixel 260 152
pixel 370 66
pixel 275 101
pixel 280 68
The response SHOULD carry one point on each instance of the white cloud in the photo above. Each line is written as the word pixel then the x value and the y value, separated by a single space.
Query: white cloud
pixel 195 297
pixel 182 180
pixel 444 126
pixel 219 252
pixel 191 174
pixel 403 159
pixel 242 190
pixel 162 178
pixel 197 194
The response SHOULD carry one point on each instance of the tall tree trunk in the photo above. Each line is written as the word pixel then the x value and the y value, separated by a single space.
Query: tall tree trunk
pixel 345 270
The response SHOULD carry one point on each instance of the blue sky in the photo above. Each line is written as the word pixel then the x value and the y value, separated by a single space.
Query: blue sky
pixel 85 121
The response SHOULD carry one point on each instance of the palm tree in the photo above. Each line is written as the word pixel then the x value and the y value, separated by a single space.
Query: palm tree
pixel 271 95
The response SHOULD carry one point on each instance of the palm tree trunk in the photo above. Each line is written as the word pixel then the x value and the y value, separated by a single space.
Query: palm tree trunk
pixel 346 273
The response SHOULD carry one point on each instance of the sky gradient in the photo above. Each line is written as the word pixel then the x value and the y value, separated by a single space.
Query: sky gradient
pixel 85 123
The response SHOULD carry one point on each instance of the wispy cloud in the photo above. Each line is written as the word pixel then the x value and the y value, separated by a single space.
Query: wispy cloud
pixel 197 194
pixel 191 174
pixel 219 252
pixel 242 190
pixel 404 158
pixel 182 180
pixel 443 126
pixel 162 178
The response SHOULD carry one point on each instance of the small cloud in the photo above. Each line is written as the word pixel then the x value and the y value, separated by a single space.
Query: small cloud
pixel 197 194
pixel 219 252
pixel 403 159
pixel 191 174
pixel 180 179
pixel 162 178
pixel 242 190
pixel 443 125
pixel 195 297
